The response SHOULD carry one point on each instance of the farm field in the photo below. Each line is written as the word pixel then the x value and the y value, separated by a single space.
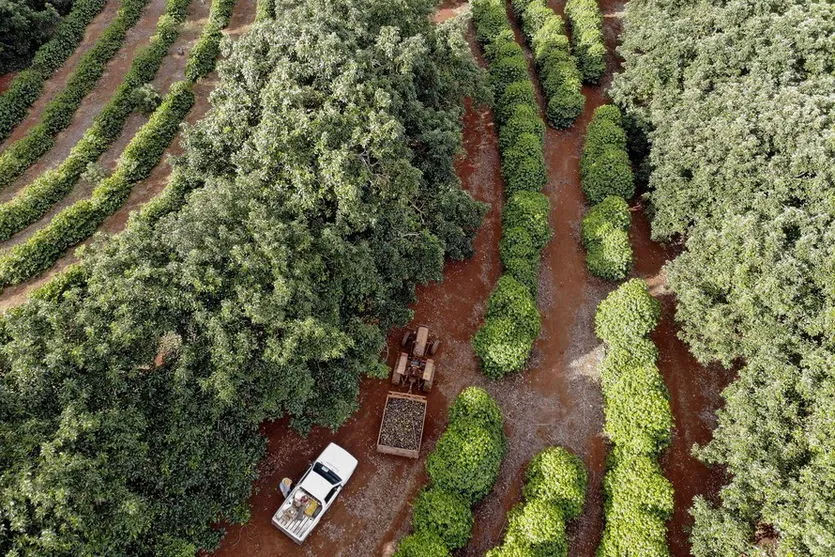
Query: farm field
pixel 225 226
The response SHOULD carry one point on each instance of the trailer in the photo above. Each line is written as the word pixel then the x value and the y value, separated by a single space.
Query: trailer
pixel 401 429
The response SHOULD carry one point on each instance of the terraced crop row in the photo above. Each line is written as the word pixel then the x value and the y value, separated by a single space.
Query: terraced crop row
pixel 36 199
pixel 59 112
pixel 28 84
pixel 79 221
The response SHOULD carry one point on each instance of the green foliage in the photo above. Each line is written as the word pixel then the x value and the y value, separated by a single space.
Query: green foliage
pixel 558 477
pixel 639 500
pixel 462 468
pixel 605 168
pixel 24 26
pixel 638 422
pixel 279 261
pixel 522 119
pixel 529 211
pixel 627 314
pixel 146 98
pixel 28 84
pixel 466 459
pixel 490 19
pixel 606 238
pixel 264 9
pixel 444 513
pixel 511 299
pixel 587 36
pixel 518 98
pixel 58 113
pixel 554 491
pixel 741 167
pixel 421 544
pixel 558 73
pixel 523 165
pixel 205 51
pixel 476 403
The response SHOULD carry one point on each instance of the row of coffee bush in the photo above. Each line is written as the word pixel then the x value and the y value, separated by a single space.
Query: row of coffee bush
pixel 512 321
pixel 462 470
pixel 608 182
pixel 172 197
pixel 51 186
pixel 554 493
pixel 558 73
pixel 59 112
pixel 587 38
pixel 638 424
pixel 143 153
pixel 28 84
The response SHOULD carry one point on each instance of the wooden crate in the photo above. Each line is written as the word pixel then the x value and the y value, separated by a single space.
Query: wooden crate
pixel 398 451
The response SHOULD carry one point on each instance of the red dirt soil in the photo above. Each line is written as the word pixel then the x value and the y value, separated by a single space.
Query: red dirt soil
pixel 557 401
pixel 6 81
pixel 170 71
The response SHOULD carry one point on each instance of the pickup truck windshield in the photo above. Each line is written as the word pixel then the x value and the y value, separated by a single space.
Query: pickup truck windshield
pixel 326 473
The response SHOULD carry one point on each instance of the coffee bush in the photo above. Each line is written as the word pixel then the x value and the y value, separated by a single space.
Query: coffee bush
pixel 587 35
pixel 627 314
pixel 522 118
pixel 466 459
pixel 557 476
pixel 637 411
pixel 518 94
pixel 444 513
pixel 609 173
pixel 529 210
pixel 422 544
pixel 523 165
pixel 477 404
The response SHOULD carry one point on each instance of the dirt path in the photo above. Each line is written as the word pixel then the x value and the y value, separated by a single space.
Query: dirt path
pixel 92 104
pixel 170 71
pixel 58 80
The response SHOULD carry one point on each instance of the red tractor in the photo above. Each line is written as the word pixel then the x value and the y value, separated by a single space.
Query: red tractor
pixel 415 365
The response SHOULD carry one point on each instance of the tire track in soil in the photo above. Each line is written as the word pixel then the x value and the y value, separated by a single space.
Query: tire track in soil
pixel 58 80
pixel 90 107
pixel 171 70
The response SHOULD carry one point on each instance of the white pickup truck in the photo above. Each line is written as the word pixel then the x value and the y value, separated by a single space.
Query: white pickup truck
pixel 314 493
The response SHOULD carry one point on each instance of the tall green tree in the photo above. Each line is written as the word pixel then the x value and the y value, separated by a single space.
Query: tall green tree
pixel 734 100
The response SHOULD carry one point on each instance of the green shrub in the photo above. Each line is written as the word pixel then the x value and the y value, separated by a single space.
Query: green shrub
pixel 601 134
pixel 501 347
pixel 610 257
pixel 521 118
pixel 518 94
pixel 608 112
pixel 606 238
pixel 536 15
pixel 505 340
pixel 421 544
pixel 146 98
pixel 507 70
pixel 610 173
pixel 627 314
pixel 529 210
pixel 640 352
pixel 557 476
pixel 466 459
pixel 637 411
pixel 551 36
pixel 490 19
pixel 28 84
pixel 639 500
pixel 539 527
pixel 566 104
pixel 587 35
pixel 523 165
pixel 525 271
pixel 476 403
pixel 443 513
pixel 516 243
pixel 503 45
pixel 612 212
pixel 264 10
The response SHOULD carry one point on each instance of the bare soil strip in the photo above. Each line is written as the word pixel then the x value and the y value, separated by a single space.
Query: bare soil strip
pixel 58 80
pixel 116 69
pixel 172 70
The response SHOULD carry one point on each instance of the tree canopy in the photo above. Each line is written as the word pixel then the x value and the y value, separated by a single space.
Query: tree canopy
pixel 735 100
pixel 323 192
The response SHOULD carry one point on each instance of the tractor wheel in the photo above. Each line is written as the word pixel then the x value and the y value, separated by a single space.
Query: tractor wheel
pixel 426 386
pixel 396 378
pixel 407 338
pixel 433 348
